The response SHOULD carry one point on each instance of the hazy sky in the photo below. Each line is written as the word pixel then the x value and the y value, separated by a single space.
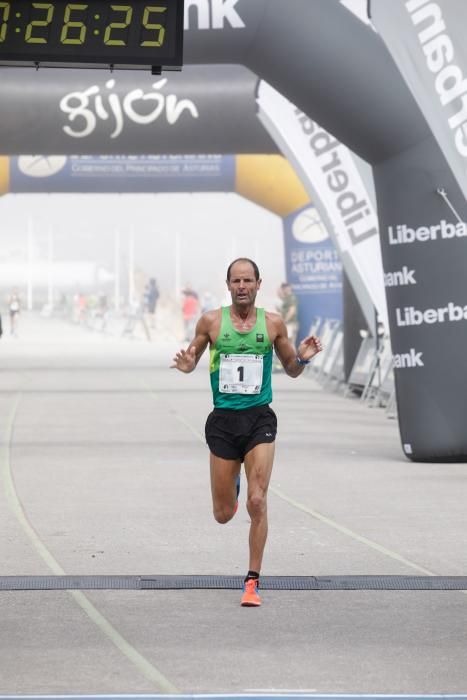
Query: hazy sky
pixel 211 229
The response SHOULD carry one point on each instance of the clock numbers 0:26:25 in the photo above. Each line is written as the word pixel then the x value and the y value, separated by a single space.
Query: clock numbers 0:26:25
pixel 74 29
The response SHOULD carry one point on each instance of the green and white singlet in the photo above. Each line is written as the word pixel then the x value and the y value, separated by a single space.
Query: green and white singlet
pixel 241 365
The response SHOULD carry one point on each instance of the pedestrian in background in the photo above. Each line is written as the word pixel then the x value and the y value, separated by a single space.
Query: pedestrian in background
pixel 289 310
pixel 190 311
pixel 151 297
pixel 14 308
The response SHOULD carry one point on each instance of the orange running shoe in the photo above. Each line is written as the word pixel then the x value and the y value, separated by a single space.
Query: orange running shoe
pixel 250 597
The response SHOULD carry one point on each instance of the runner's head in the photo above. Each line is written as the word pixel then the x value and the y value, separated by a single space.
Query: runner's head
pixel 243 260
pixel 243 281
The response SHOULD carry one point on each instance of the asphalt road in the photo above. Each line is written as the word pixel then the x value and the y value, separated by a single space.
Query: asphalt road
pixel 104 470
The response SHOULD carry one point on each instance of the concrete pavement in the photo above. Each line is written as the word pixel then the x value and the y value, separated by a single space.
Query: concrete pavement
pixel 104 471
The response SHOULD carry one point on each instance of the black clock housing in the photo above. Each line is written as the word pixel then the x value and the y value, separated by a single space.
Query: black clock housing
pixel 97 33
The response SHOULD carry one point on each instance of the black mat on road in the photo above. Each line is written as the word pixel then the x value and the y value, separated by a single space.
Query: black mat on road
pixel 271 583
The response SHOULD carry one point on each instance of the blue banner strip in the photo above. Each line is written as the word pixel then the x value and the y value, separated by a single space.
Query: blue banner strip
pixel 122 174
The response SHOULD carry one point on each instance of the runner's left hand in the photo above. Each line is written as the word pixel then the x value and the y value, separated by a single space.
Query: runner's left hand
pixel 309 347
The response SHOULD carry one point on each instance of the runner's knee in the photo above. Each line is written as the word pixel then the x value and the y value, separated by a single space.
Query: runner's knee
pixel 256 504
pixel 223 514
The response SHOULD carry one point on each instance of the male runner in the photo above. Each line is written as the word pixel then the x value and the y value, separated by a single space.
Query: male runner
pixel 242 427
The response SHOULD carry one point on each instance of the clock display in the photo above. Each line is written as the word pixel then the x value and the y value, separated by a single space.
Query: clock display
pixel 95 33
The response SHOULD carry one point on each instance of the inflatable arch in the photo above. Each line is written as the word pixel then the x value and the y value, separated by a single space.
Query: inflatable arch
pixel 203 121
pixel 338 73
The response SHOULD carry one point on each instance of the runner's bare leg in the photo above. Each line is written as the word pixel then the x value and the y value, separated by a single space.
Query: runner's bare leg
pixel 258 468
pixel 223 487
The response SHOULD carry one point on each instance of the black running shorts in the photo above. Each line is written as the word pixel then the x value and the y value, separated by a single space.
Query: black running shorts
pixel 231 434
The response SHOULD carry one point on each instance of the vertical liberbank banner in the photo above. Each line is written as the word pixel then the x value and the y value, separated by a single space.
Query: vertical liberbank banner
pixel 425 250
pixel 428 43
pixel 314 268
pixel 332 179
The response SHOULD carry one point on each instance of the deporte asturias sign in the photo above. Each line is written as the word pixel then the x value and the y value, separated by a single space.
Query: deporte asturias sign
pixel 314 268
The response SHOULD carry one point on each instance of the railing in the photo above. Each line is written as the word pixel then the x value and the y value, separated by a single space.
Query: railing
pixel 371 378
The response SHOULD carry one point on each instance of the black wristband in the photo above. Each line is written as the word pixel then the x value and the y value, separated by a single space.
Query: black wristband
pixel 302 362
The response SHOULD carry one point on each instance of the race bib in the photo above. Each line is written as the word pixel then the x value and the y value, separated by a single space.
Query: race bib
pixel 240 374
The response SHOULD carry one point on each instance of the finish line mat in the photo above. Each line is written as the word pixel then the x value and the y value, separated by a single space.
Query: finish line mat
pixel 292 695
pixel 268 583
pixel 296 695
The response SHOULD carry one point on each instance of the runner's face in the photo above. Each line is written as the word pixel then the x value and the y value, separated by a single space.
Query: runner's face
pixel 243 285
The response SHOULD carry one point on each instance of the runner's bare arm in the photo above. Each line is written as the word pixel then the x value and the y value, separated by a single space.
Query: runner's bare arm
pixel 186 360
pixel 286 352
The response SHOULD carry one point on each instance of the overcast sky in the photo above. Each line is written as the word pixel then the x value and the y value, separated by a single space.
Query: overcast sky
pixel 212 229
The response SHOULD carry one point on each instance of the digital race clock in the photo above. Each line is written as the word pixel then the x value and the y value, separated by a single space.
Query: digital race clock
pixel 98 33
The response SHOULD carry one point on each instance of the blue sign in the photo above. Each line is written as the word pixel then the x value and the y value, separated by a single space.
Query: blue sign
pixel 313 268
pixel 106 174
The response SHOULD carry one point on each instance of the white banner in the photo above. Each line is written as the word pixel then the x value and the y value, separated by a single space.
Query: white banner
pixel 331 176
pixel 428 43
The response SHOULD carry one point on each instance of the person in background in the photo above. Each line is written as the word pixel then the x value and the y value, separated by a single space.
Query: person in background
pixel 102 312
pixel 190 311
pixel 289 310
pixel 14 309
pixel 151 297
pixel 81 304
pixel 208 302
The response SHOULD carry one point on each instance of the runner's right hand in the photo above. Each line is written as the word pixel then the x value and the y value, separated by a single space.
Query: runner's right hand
pixel 185 360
